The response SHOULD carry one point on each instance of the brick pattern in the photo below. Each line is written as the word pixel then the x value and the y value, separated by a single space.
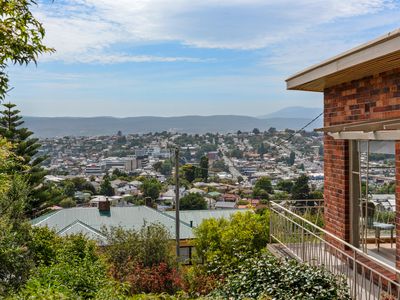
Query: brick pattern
pixel 373 97
pixel 398 204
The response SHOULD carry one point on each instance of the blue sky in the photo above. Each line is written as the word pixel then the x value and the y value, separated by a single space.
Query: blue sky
pixel 187 57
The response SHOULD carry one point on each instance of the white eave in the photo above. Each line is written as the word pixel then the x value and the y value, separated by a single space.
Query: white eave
pixel 376 56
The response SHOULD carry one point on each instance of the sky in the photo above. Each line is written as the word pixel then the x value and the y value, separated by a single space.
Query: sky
pixel 187 57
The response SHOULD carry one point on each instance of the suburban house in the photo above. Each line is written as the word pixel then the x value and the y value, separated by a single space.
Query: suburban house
pixel 90 221
pixel 361 110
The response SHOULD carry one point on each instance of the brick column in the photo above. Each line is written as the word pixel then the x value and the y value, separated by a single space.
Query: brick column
pixel 336 187
pixel 397 159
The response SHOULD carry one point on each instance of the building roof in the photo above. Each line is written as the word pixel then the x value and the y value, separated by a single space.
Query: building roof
pixel 223 204
pixel 89 221
pixel 376 56
pixel 72 220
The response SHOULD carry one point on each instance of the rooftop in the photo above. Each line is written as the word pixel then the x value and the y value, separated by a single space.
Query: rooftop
pixel 376 56
pixel 89 220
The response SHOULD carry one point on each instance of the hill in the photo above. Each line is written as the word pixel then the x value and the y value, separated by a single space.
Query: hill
pixel 79 126
pixel 295 112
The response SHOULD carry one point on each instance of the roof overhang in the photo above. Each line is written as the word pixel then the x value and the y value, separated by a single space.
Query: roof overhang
pixel 379 55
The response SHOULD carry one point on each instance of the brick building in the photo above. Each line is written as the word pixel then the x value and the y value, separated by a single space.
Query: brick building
pixel 361 90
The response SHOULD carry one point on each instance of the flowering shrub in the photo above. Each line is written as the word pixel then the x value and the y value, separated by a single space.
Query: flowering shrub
pixel 156 279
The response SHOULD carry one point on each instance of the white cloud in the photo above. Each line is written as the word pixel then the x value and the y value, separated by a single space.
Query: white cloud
pixel 89 30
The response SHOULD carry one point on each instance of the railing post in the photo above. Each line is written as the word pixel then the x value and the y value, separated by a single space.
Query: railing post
pixel 270 222
pixel 354 275
pixel 303 246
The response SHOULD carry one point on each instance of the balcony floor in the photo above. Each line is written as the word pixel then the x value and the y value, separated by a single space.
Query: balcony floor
pixel 386 253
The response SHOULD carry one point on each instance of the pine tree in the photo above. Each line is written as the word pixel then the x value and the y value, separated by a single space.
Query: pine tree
pixel 27 148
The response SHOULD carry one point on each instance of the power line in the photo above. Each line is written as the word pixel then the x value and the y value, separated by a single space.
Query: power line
pixel 301 129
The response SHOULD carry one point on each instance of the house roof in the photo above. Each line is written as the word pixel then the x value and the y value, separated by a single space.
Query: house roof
pixel 89 221
pixel 376 56
pixel 72 220
pixel 223 204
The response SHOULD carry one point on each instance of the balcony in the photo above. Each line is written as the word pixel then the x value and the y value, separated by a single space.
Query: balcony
pixel 370 272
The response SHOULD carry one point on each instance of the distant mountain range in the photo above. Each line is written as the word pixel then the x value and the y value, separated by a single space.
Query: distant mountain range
pixel 80 126
pixel 294 112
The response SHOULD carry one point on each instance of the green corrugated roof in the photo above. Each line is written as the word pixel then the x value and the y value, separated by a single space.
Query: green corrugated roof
pixel 127 217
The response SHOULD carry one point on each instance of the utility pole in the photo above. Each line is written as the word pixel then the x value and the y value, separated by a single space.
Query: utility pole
pixel 177 221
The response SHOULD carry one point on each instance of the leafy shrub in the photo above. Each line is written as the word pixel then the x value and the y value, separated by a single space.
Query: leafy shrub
pixel 197 283
pixel 67 203
pixel 265 275
pixel 76 271
pixel 223 243
pixel 160 278
pixel 147 247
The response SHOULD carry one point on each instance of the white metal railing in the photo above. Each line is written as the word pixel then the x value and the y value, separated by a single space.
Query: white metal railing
pixel 368 278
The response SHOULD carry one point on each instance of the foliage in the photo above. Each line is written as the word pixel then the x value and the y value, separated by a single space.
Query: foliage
pixel 300 189
pixel 106 188
pixel 192 201
pixel 76 271
pixel 204 168
pixel 67 203
pixel 219 165
pixel 26 148
pixel 196 282
pixel 222 243
pixel 166 168
pixel 151 188
pixel 155 279
pixel 262 188
pixel 21 37
pixel 292 158
pixel 265 275
pixel 285 185
pixel 15 260
pixel 189 172
pixel 129 248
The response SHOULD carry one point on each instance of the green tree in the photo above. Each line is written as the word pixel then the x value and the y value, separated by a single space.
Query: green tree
pixel 204 168
pixel 300 189
pixel 265 184
pixel 106 188
pixel 27 148
pixel 285 185
pixel 21 37
pixel 157 166
pixel 15 259
pixel 256 131
pixel 151 188
pixel 292 158
pixel 189 172
pixel 192 201
pixel 166 168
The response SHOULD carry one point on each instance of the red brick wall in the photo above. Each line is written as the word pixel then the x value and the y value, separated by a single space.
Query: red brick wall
pixel 373 97
pixel 398 204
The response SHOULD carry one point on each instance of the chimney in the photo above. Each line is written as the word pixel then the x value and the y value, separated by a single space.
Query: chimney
pixel 104 206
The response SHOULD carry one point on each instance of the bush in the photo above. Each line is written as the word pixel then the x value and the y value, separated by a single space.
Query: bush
pixel 67 203
pixel 223 243
pixel 76 271
pixel 142 258
pixel 265 275
pixel 160 278
pixel 193 201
